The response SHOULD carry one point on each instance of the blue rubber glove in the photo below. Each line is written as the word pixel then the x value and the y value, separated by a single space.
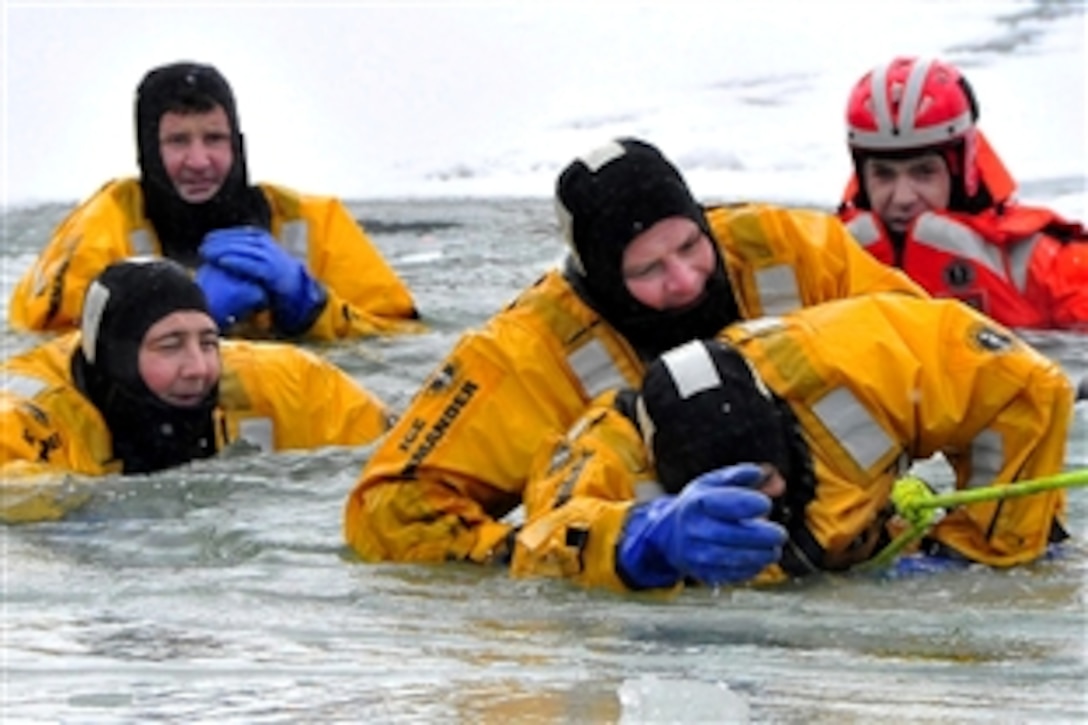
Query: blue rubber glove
pixel 230 298
pixel 714 531
pixel 296 298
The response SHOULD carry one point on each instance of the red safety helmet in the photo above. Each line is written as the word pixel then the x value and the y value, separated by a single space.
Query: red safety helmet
pixel 911 105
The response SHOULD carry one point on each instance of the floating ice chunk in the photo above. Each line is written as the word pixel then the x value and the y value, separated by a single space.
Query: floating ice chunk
pixel 667 700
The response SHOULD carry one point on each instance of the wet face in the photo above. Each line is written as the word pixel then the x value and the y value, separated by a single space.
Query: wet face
pixel 667 266
pixel 901 189
pixel 179 358
pixel 196 152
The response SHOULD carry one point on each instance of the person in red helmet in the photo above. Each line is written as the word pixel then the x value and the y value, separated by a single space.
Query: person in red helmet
pixel 931 196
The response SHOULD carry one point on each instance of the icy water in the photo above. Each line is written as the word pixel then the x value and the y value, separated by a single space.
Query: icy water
pixel 222 591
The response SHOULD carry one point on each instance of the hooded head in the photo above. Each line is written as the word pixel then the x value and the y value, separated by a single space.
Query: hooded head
pixel 702 406
pixel 190 88
pixel 119 308
pixel 604 200
pixel 912 106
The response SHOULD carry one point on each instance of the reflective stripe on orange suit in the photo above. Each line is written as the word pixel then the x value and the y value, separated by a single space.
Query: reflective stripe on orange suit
pixel 1003 264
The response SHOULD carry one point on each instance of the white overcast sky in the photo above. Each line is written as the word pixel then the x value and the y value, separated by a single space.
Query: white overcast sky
pixel 377 99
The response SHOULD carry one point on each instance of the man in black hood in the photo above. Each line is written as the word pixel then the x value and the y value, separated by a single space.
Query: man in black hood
pixel 196 188
pixel 134 313
pixel 147 384
pixel 641 249
pixel 271 261
pixel 648 268
pixel 775 451
pixel 187 195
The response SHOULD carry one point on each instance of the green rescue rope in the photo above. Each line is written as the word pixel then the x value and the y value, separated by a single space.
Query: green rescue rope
pixel 921 507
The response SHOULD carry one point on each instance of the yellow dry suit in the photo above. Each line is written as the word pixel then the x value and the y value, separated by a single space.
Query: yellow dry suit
pixel 272 395
pixel 458 460
pixel 875 383
pixel 365 295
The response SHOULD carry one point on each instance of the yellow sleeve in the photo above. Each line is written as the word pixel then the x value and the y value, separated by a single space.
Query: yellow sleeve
pixel 49 296
pixel 904 379
pixel 32 492
pixel 37 456
pixel 312 402
pixel 806 256
pixel 366 296
pixel 1010 423
pixel 580 491
pixel 835 264
pixel 939 377
pixel 28 435
pixel 457 460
